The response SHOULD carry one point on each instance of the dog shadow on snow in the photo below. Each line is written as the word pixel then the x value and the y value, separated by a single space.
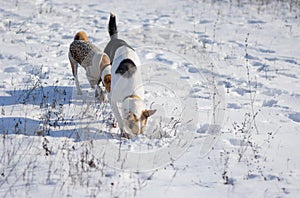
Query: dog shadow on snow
pixel 18 117
pixel 41 112
pixel 42 96
pixel 31 127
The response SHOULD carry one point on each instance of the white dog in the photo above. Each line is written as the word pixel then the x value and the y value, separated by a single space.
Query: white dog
pixel 127 91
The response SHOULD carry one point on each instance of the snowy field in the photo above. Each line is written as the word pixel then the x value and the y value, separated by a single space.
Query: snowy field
pixel 223 76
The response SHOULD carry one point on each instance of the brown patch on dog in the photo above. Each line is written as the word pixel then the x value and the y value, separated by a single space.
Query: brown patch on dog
pixel 148 113
pixel 132 123
pixel 81 36
pixel 105 62
pixel 107 82
pixel 145 115
pixel 135 97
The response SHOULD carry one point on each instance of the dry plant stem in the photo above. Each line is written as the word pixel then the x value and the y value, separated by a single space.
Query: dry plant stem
pixel 251 95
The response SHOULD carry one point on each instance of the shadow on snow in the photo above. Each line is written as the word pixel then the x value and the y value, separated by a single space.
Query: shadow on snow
pixel 40 96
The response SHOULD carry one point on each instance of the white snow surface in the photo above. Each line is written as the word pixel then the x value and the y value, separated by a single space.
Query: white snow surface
pixel 223 76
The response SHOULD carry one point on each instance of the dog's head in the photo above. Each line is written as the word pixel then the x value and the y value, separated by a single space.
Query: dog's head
pixel 81 36
pixel 136 123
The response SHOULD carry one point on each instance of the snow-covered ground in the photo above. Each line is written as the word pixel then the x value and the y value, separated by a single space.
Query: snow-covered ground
pixel 224 76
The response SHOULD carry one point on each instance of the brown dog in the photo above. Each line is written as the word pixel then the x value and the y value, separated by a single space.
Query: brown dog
pixel 93 60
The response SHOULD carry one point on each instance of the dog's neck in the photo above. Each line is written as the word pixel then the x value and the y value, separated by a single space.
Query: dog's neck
pixel 134 104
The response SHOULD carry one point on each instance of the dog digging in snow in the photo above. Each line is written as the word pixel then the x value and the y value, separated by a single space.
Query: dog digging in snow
pixel 119 69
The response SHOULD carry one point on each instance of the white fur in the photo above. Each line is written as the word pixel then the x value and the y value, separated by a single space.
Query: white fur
pixel 79 92
pixel 75 65
pixel 92 68
pixel 93 72
pixel 122 87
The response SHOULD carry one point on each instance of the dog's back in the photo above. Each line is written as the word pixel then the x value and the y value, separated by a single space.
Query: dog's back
pixel 113 45
pixel 126 74
pixel 125 64
pixel 79 50
pixel 89 56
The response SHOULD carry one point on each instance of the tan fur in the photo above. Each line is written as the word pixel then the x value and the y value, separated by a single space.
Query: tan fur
pixel 81 36
pixel 132 123
pixel 107 79
pixel 107 82
pixel 133 96
pixel 148 113
pixel 132 120
pixel 145 115
pixel 105 61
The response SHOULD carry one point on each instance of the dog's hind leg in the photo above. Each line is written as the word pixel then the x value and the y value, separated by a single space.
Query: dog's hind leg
pixel 79 92
pixel 74 66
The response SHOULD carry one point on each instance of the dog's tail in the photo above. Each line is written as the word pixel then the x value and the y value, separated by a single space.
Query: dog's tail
pixel 112 25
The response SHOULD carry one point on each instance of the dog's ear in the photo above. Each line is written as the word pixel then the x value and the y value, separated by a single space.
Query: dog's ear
pixel 148 113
